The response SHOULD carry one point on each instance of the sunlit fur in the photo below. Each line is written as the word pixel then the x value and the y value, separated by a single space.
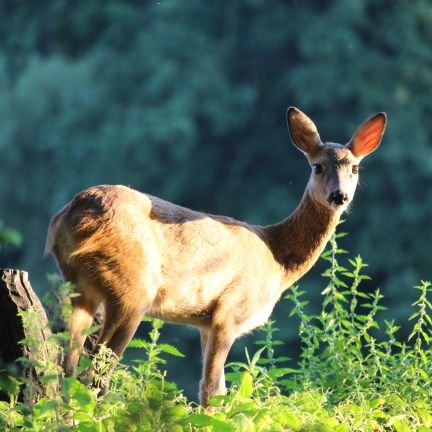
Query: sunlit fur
pixel 140 255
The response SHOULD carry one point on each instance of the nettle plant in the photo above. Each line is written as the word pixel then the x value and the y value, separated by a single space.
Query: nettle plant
pixel 342 350
pixel 353 373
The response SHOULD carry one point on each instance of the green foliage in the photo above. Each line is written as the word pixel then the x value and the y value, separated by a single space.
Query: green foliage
pixel 347 378
pixel 342 350
pixel 139 399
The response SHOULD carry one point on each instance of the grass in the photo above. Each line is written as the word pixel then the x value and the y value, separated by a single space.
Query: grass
pixel 348 378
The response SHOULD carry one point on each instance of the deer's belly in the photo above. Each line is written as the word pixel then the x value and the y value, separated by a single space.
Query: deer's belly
pixel 188 300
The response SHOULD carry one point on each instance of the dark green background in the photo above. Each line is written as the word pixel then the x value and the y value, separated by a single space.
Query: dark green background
pixel 187 100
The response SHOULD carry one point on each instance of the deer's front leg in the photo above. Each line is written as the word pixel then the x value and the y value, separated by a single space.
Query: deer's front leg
pixel 216 343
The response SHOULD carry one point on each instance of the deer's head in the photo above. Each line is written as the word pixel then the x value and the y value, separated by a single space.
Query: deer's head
pixel 335 167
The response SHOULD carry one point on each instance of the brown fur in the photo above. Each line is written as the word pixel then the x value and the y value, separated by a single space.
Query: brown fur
pixel 138 254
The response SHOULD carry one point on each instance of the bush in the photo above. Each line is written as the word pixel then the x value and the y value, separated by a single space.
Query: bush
pixel 348 378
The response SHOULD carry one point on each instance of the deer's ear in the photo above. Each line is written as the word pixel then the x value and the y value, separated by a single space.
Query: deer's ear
pixel 368 136
pixel 303 131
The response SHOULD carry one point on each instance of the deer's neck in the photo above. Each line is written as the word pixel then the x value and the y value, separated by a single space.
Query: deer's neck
pixel 298 241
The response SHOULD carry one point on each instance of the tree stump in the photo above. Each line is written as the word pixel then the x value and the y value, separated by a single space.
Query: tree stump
pixel 17 295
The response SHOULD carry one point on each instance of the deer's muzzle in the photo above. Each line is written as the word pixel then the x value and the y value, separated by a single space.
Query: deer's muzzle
pixel 337 197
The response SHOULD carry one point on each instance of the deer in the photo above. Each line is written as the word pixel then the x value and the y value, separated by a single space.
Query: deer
pixel 139 255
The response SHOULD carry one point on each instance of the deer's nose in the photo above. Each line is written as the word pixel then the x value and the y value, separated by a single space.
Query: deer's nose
pixel 337 197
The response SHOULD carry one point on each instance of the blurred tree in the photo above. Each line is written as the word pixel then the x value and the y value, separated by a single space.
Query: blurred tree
pixel 9 236
pixel 10 242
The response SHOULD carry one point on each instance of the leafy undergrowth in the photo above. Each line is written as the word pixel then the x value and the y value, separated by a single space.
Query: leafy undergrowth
pixel 347 378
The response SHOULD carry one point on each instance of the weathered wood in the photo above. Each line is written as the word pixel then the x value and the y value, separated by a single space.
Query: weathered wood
pixel 17 295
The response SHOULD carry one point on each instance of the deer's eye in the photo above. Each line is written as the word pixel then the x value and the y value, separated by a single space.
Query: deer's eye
pixel 355 169
pixel 317 168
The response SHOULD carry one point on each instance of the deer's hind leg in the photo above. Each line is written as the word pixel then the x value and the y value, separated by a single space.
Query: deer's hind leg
pixel 119 326
pixel 83 311
pixel 121 321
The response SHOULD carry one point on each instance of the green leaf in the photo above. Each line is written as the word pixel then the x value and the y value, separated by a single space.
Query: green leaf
pixel 233 376
pixel 81 397
pixel 170 349
pixel 200 420
pixel 45 408
pixel 219 400
pixel 279 372
pixel 91 330
pixel 9 384
pixel 291 421
pixel 87 426
pixel 341 251
pixel 347 324
pixel 282 359
pixel 246 385
pixel 256 357
pixel 340 235
pixel 375 403
pixel 221 426
pixel 401 424
pixel 138 343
